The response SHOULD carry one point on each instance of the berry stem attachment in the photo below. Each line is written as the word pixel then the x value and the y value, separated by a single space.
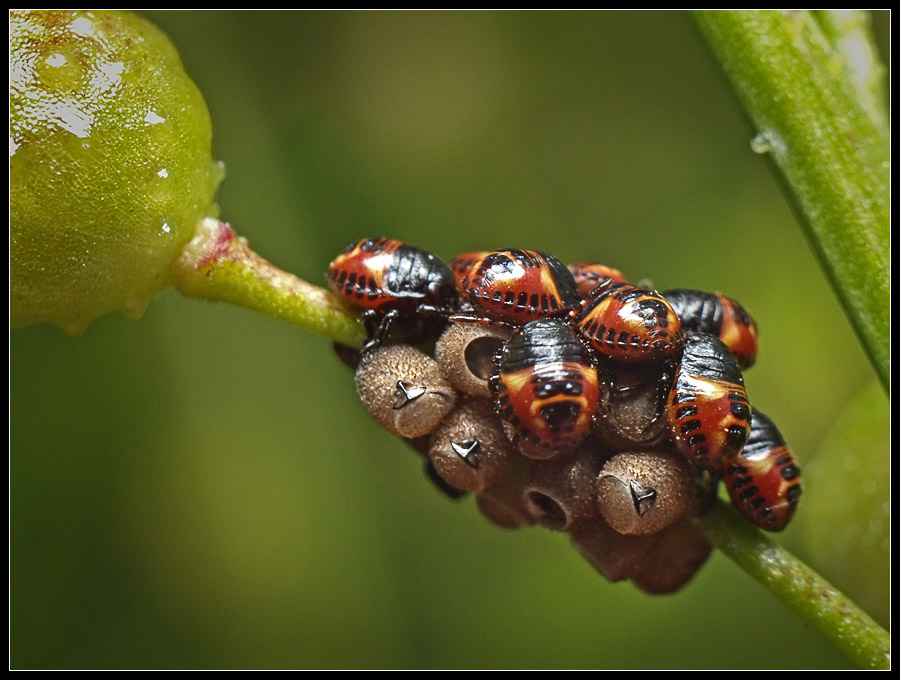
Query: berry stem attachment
pixel 848 628
pixel 218 265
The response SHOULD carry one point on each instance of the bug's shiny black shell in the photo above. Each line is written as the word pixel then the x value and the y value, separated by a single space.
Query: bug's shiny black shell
pixel 764 481
pixel 720 316
pixel 708 413
pixel 384 274
pixel 545 385
pixel 517 286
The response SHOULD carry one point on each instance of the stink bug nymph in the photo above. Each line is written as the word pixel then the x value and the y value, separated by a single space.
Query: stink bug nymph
pixel 589 275
pixel 626 323
pixel 517 286
pixel 708 412
pixel 764 482
pixel 720 316
pixel 545 386
pixel 392 279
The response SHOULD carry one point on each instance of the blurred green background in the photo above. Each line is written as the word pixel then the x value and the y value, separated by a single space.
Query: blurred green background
pixel 202 489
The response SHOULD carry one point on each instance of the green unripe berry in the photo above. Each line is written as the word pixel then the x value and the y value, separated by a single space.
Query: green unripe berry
pixel 111 166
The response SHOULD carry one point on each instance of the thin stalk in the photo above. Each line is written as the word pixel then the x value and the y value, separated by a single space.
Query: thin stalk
pixel 849 628
pixel 820 118
pixel 219 266
pixel 849 34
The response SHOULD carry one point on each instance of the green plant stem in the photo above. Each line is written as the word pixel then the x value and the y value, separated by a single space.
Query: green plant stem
pixel 816 113
pixel 849 33
pixel 850 629
pixel 218 265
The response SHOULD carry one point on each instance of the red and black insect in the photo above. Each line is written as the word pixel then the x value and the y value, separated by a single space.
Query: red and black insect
pixel 390 280
pixel 462 265
pixel 384 274
pixel 518 286
pixel 626 323
pixel 545 385
pixel 589 275
pixel 764 482
pixel 708 413
pixel 720 316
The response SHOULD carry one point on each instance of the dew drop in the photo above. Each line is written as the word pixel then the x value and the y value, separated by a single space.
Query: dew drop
pixel 761 143
pixel 82 26
pixel 152 118
pixel 57 60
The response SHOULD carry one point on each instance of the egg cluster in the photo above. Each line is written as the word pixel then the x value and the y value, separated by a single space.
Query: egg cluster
pixel 567 397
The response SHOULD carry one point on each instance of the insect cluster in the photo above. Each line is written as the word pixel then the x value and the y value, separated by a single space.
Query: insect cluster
pixel 567 397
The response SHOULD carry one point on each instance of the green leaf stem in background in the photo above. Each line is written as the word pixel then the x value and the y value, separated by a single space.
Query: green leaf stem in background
pixel 846 524
pixel 813 86
pixel 810 84
pixel 837 617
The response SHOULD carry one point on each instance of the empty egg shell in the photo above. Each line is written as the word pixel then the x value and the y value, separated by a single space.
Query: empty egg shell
pixel 561 492
pixel 465 352
pixel 531 450
pixel 633 416
pixel 673 561
pixel 441 484
pixel 616 556
pixel 404 389
pixel 469 449
pixel 643 493
pixel 503 504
